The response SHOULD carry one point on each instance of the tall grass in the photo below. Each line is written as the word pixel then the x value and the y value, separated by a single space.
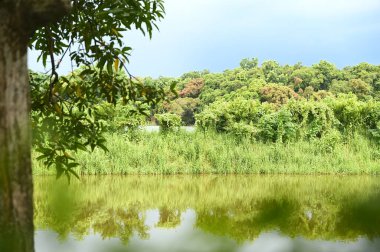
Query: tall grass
pixel 211 153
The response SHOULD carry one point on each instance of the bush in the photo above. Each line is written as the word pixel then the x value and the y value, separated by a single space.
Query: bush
pixel 375 133
pixel 313 118
pixel 169 122
pixel 329 141
pixel 243 130
pixel 349 113
pixel 277 127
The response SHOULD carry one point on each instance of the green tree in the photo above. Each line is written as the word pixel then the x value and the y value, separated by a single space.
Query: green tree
pixel 303 77
pixel 340 86
pixel 249 63
pixel 325 74
pixel 360 88
pixel 91 31
pixel 273 72
pixel 366 72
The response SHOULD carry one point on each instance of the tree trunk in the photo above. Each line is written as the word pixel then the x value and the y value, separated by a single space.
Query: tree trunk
pixel 18 19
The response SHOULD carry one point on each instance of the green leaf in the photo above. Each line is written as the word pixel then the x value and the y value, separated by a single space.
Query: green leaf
pixel 59 172
pixel 103 147
pixel 86 72
pixel 74 173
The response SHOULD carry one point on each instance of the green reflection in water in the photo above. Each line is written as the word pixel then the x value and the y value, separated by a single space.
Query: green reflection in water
pixel 237 207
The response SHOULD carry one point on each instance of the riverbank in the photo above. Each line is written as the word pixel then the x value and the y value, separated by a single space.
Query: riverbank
pixel 211 153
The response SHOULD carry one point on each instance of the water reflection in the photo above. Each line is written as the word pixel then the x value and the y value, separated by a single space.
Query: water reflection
pixel 208 213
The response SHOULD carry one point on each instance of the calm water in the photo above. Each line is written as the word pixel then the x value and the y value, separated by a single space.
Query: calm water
pixel 208 213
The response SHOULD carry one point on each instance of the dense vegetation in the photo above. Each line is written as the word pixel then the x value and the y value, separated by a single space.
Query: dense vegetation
pixel 274 103
pixel 317 119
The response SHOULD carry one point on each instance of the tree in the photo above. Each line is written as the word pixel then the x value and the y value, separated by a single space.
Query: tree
pixel 249 63
pixel 303 77
pixel 360 88
pixel 357 86
pixel 340 86
pixel 273 72
pixel 91 31
pixel 277 94
pixel 193 88
pixel 325 73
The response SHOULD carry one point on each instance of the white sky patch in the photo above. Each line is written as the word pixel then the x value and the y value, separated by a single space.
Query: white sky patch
pixel 334 8
pixel 210 16
pixel 217 34
pixel 234 9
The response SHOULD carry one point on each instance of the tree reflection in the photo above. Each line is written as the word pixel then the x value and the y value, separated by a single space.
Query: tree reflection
pixel 169 218
pixel 360 216
pixel 80 214
pixel 238 207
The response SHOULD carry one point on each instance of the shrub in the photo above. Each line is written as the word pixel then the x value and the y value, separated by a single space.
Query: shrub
pixel 349 113
pixel 243 130
pixel 313 118
pixel 277 127
pixel 329 141
pixel 168 122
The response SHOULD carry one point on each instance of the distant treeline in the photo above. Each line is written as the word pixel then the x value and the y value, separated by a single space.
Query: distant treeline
pixel 267 102
pixel 272 102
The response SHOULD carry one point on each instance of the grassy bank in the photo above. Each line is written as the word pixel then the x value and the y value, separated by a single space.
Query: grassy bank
pixel 197 153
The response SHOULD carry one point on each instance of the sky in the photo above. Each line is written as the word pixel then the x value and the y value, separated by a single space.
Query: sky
pixel 216 34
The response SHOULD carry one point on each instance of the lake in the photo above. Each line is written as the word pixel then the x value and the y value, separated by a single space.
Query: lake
pixel 208 213
pixel 155 128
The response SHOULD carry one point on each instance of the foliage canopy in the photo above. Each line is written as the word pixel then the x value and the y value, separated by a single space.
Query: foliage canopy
pixel 67 111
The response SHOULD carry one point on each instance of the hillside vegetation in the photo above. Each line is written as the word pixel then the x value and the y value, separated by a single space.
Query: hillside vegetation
pixel 264 118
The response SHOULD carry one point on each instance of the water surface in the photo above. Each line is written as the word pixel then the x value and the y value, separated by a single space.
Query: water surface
pixel 208 213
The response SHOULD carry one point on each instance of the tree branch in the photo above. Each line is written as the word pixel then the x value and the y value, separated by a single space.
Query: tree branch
pixel 54 74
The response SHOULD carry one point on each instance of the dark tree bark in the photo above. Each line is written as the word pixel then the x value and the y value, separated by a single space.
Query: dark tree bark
pixel 18 20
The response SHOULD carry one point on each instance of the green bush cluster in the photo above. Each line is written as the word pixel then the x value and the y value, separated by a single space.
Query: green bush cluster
pixel 168 122
pixel 296 120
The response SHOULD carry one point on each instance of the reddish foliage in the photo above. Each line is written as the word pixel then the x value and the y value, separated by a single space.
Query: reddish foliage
pixel 193 88
pixel 277 94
